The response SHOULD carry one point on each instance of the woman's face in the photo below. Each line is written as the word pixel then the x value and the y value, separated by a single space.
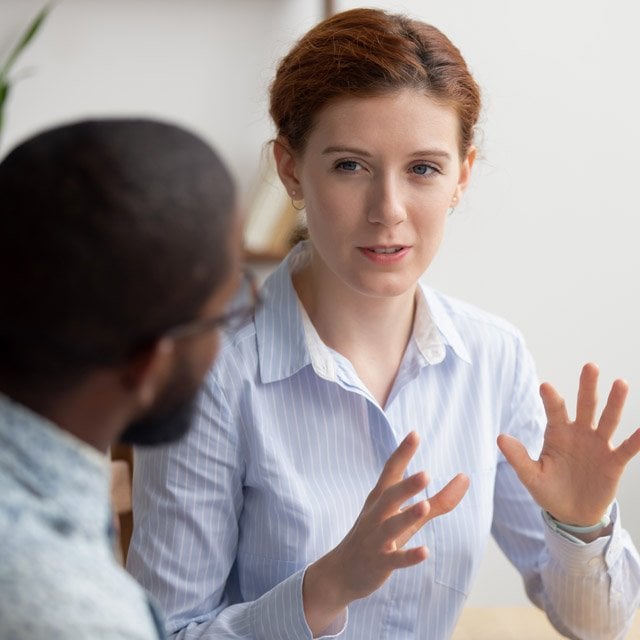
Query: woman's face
pixel 378 176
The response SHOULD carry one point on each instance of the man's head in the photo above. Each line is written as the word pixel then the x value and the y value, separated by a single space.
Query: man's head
pixel 112 232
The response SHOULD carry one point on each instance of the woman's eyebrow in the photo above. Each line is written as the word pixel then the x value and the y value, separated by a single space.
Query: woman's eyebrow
pixel 353 150
pixel 361 152
pixel 440 153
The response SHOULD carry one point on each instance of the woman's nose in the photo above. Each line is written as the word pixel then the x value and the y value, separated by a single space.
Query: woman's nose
pixel 386 206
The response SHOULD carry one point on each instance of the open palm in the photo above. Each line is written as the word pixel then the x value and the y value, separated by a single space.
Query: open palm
pixel 577 474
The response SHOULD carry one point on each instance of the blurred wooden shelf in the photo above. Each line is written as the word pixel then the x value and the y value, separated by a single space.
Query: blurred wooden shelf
pixel 271 226
pixel 121 472
pixel 263 256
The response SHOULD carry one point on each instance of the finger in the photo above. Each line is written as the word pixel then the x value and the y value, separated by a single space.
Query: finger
pixel 630 447
pixel 395 496
pixel 401 527
pixel 518 457
pixel 407 557
pixel 612 412
pixel 404 537
pixel 554 405
pixel 449 496
pixel 395 466
pixel 587 395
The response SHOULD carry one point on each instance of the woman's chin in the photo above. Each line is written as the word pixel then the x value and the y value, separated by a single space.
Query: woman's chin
pixel 386 285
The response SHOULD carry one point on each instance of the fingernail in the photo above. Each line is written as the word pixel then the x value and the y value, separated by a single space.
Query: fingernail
pixel 410 436
pixel 419 478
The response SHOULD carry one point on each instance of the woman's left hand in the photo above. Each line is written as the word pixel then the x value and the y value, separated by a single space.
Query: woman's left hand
pixel 577 475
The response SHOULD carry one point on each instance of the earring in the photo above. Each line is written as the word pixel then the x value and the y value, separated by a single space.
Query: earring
pixel 293 202
pixel 452 208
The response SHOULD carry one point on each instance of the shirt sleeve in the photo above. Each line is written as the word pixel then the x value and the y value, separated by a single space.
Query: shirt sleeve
pixel 588 591
pixel 188 500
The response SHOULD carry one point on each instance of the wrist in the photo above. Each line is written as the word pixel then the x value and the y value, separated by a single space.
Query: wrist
pixel 322 598
pixel 580 534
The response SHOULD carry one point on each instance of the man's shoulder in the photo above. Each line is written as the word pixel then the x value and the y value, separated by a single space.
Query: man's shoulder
pixel 57 586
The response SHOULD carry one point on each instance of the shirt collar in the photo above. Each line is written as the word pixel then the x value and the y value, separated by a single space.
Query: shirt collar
pixel 434 323
pixel 288 341
pixel 282 348
pixel 66 473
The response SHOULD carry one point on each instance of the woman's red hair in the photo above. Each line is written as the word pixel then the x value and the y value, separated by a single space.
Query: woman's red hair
pixel 364 52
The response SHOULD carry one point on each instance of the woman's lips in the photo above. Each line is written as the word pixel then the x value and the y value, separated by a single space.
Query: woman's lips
pixel 385 254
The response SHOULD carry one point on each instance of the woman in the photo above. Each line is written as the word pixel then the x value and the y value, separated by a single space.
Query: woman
pixel 246 528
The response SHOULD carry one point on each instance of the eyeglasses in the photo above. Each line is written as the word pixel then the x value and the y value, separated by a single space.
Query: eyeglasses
pixel 242 309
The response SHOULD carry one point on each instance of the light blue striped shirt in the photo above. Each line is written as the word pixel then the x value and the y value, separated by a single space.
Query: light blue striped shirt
pixel 288 444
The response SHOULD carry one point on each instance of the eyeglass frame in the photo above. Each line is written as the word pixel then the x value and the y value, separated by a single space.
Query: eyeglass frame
pixel 238 315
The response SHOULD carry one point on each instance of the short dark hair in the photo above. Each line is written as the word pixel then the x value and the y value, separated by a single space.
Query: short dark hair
pixel 111 232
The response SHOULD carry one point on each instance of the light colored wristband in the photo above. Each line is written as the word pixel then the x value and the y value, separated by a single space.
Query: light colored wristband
pixel 566 530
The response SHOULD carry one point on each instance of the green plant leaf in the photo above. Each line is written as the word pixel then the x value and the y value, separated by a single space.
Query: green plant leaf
pixel 26 38
pixel 4 92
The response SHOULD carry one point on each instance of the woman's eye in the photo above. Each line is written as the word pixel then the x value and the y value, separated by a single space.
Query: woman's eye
pixel 348 165
pixel 422 169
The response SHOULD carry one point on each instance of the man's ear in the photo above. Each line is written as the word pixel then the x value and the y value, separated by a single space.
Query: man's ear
pixel 286 165
pixel 146 374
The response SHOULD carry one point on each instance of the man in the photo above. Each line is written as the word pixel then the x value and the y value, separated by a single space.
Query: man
pixel 119 250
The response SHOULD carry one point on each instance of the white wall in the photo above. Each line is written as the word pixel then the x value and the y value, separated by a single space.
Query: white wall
pixel 203 63
pixel 547 235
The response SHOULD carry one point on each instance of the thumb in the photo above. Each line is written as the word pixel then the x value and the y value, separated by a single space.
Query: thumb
pixel 518 457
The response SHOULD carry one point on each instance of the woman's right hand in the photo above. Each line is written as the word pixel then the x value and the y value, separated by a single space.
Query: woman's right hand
pixel 374 547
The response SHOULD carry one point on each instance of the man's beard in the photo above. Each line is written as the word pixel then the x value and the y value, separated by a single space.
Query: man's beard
pixel 171 417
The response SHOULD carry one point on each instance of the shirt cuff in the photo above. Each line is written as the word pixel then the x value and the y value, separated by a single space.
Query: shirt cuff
pixel 585 558
pixel 279 613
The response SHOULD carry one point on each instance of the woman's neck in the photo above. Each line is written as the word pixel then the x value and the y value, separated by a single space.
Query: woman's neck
pixel 371 332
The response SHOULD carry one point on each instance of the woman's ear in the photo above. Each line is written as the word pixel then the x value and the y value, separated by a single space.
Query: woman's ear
pixel 287 167
pixel 146 373
pixel 465 176
pixel 465 170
